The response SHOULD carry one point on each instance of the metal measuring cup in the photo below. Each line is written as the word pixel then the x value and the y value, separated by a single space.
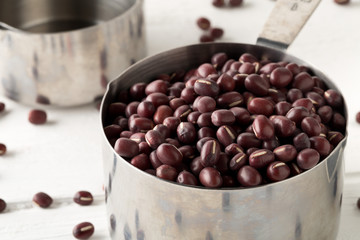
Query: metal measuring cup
pixel 64 53
pixel 142 206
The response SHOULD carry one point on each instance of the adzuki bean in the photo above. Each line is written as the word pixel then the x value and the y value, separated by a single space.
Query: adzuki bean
pixel 228 122
pixel 2 205
pixel 83 198
pixel 42 199
pixel 2 149
pixel 83 230
pixel 37 116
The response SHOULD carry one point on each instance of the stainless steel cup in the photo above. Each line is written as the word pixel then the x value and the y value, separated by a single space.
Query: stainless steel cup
pixel 64 52
pixel 304 207
pixel 141 206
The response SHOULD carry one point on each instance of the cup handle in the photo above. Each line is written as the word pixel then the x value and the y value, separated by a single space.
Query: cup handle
pixel 285 22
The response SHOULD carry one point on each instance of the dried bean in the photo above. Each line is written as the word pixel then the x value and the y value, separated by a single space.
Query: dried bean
pixel 186 178
pixel 126 147
pixel 2 149
pixel 307 158
pixel 37 116
pixel 83 230
pixel 210 153
pixel 166 172
pixel 249 176
pixel 2 205
pixel 285 153
pixel 261 158
pixel 210 177
pixel 83 198
pixel 42 200
pixel 263 128
pixel 277 171
pixel 222 117
pixel 169 154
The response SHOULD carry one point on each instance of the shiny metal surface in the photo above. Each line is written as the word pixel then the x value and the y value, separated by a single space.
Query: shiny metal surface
pixel 66 51
pixel 141 206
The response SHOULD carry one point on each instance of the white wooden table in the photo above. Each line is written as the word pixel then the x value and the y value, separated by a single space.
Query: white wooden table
pixel 65 155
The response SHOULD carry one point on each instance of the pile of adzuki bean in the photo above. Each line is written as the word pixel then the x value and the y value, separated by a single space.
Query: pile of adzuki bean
pixel 228 123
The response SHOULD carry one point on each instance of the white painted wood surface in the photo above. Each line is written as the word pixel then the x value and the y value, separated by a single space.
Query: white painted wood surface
pixel 64 155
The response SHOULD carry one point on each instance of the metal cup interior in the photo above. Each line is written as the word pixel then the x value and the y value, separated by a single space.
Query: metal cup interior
pixel 306 206
pixel 50 16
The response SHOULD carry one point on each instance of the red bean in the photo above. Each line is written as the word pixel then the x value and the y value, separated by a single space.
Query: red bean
pixel 283 126
pixel 83 198
pixel 210 153
pixel 303 81
pixel 42 199
pixel 222 117
pixel 256 84
pixel 307 158
pixel 226 83
pixel 325 113
pixel 137 91
pixel 83 230
pixel 233 149
pixel 203 23
pixel 311 126
pixel 186 132
pixel 230 99
pixel 146 109
pixel 248 140
pixel 285 153
pixel 261 158
pixel 210 177
pixel 140 125
pixel 218 3
pixel 126 147
pixel 357 117
pixel 247 57
pixel 277 171
pixel 37 116
pixel 335 137
pixel 2 149
pixel 261 106
pixel 157 99
pixel 238 161
pixel 166 172
pixel 205 87
pixel 206 132
pixel 301 141
pixel 196 166
pixel 2 108
pixel 169 154
pixel 157 86
pixel 320 144
pixel 333 98
pixel 141 161
pixel 206 104
pixel 304 102
pixel 263 128
pixel 235 3
pixel 161 113
pixel 249 176
pixel 2 205
pixel 205 69
pixel 297 114
pixel 280 77
pixel 242 116
pixel 186 178
pixel 226 135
